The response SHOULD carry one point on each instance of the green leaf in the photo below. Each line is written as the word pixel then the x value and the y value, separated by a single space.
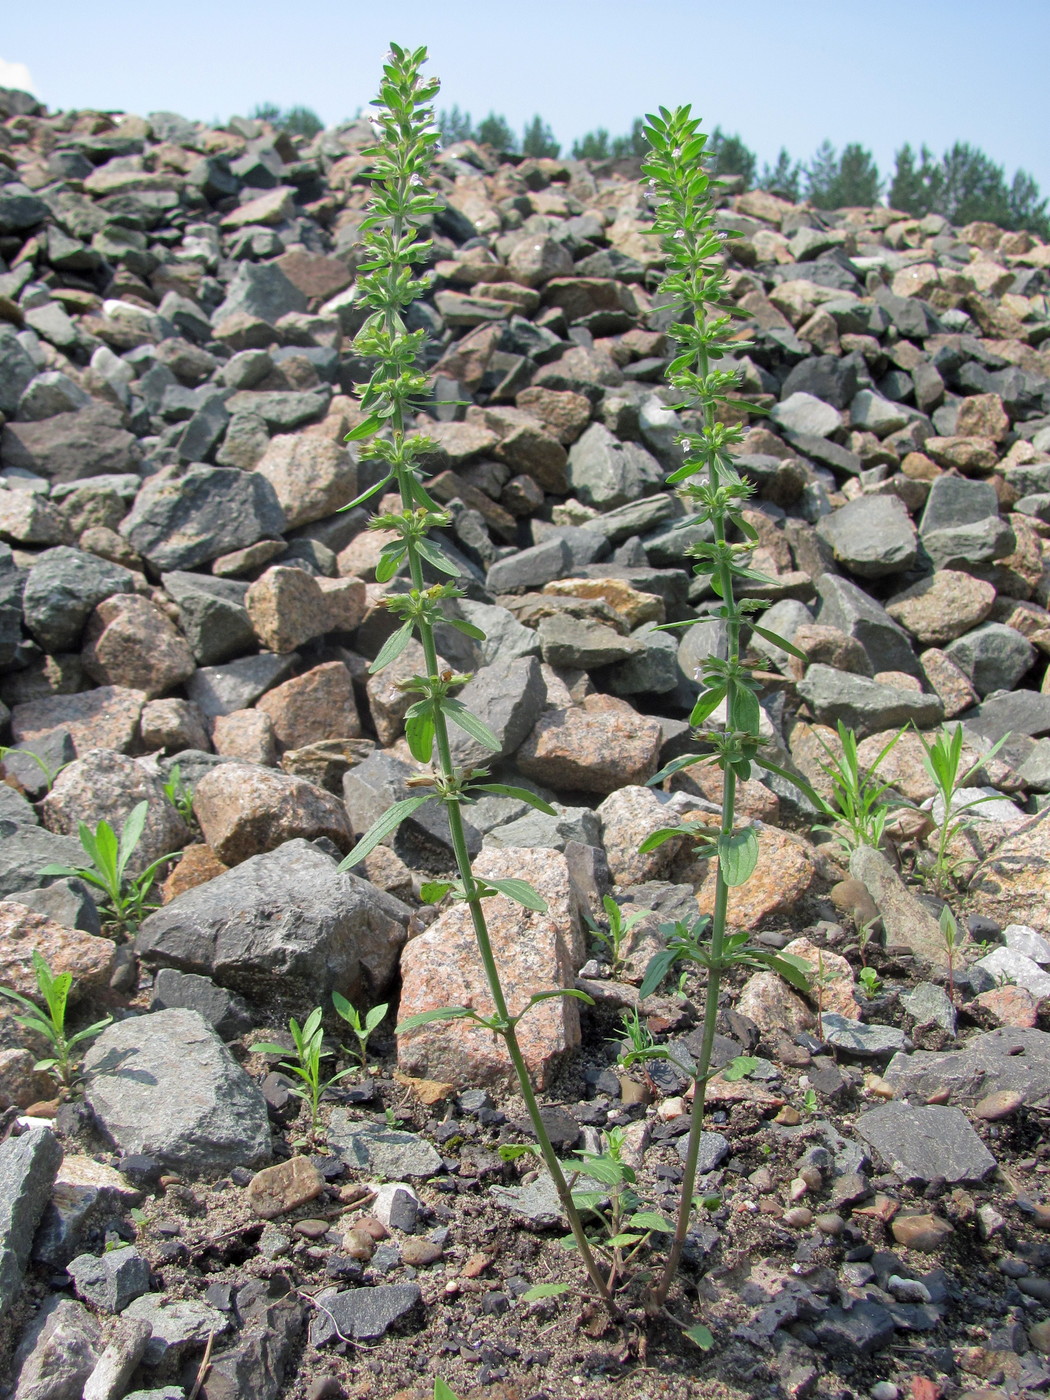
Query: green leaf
pixel 442 1391
pixel 419 734
pixel 667 833
pixel 371 491
pixel 432 891
pixel 700 1336
pixel 521 892
pixel 511 1151
pixel 522 795
pixel 467 628
pixel 434 556
pixel 708 702
pixel 544 1290
pixel 131 835
pixel 794 970
pixel 738 855
pixel 267 1047
pixel 739 1067
pixel 363 430
pixel 389 562
pixel 375 1016
pixel 651 1220
pixel 776 640
pixel 622 1241
pixel 388 822
pixel 537 997
pixel 441 1013
pixel 460 716
pixel 660 965
pixel 345 1008
pixel 391 648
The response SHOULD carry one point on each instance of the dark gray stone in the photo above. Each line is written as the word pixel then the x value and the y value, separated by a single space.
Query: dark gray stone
pixel 864 705
pixel 382 1151
pixel 184 518
pixel 1008 1058
pixel 584 645
pixel 714 1149
pixel 912 317
pixel 832 378
pixel 371 787
pixel 866 1328
pixel 63 588
pixel 653 670
pixel 851 610
pixel 16 808
pixel 17 371
pixel 928 1005
pixel 112 1280
pixel 923 1141
pixel 204 431
pixel 873 536
pixel 606 473
pixel 530 568
pixel 28 1167
pixel 256 1365
pixel 1019 712
pixel 12 583
pixel 994 656
pixel 219 690
pixel 177 1324
pixel 961 525
pixel 224 1011
pixel 164 1085
pixel 533 828
pixel 58 1353
pixel 635 518
pixel 68 902
pixel 212 615
pixel 281 409
pixel 507 696
pixel 72 446
pixel 365 1314
pixel 25 850
pixel 20 209
pixel 260 290
pixel 860 1038
pixel 282 924
pixel 55 749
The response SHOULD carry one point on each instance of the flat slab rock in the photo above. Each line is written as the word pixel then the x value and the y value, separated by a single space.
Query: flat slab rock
pixel 1008 1058
pixel 28 1166
pixel 922 1142
pixel 365 1314
pixel 384 1151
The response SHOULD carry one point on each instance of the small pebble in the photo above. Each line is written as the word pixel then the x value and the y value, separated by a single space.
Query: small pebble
pixel 907 1290
pixel 798 1217
pixel 788 1116
pixel 311 1229
pixel 812 1177
pixel 417 1251
pixel 797 1189
pixel 939 1096
pixel 761 1179
pixel 829 1223
pixel 358 1244
pixel 998 1105
pixel 884 1390
pixel 882 1089
pixel 671 1108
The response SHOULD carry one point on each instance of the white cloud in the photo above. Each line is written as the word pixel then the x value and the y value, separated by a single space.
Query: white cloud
pixel 16 75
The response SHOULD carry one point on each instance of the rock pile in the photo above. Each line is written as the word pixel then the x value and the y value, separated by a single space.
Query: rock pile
pixel 179 587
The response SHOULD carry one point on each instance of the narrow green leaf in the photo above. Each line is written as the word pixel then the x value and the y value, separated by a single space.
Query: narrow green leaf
pixel 367 494
pixel 442 1391
pixel 441 1013
pixel 131 835
pixel 738 855
pixel 363 430
pixel 700 1336
pixel 776 640
pixel 544 1290
pixel 390 558
pixel 708 702
pixel 392 648
pixel 651 1220
pixel 521 892
pixel 460 716
pixel 794 970
pixel 622 1241
pixel 655 839
pixel 433 555
pixel 467 628
pixel 388 822
pixel 660 965
pixel 419 734
pixel 522 795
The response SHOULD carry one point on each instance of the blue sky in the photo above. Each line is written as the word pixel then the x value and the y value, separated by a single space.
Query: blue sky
pixel 778 73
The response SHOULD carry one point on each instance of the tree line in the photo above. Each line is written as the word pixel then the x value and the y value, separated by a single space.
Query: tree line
pixel 963 184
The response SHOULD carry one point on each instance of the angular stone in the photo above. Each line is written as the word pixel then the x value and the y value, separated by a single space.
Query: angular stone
pixel 213 616
pixel 365 1314
pixel 226 1013
pixel 535 952
pixel 278 1189
pixel 851 610
pixel 381 1151
pixel 164 1085
pixel 106 785
pixel 283 924
pixel 311 476
pixel 606 473
pixel 905 919
pixel 865 1041
pixel 628 816
pixel 942 607
pixel 920 1143
pixel 58 1353
pixel 185 517
pixel 864 705
pixel 803 413
pixel 244 811
pixel 219 690
pixel 247 736
pixel 177 1325
pixel 507 697
pixel 25 850
pixel 130 642
pixel 173 725
pixel 1007 964
pixel 785 871
pixel 88 959
pixel 112 1280
pixel 995 657
pixel 315 706
pixel 286 608
pixel 873 536
pixel 63 587
pixel 961 525
pixel 71 446
pixel 598 746
pixel 531 568
pixel 262 291
pixel 577 643
pixel 28 1165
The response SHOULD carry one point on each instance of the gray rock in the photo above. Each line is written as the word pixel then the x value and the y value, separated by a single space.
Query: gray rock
pixel 112 1280
pixel 1008 965
pixel 204 430
pixel 397 1205
pixel 1007 1058
pixel 922 1142
pixel 784 619
pixel 164 1392
pixel 255 1366
pixel 905 919
pixel 282 409
pixel 12 582
pixel 865 1041
pixel 706 638
pixel 58 1353
pixel 28 1166
pixel 365 1314
pixel 68 902
pixel 507 696
pixel 115 1367
pixel 831 378
pixel 587 545
pixel 282 924
pixel 583 645
pixel 17 372
pixel 535 828
pixel 383 1151
pixel 994 656
pixel 260 290
pixel 212 615
pixel 871 413
pixel 961 525
pixel 851 610
pixel 929 1005
pixel 804 413
pixel 219 690
pixel 714 1149
pixel 1018 712
pixel 16 808
pixel 182 518
pixel 376 784
pixel 530 568
pixel 71 446
pixel 54 749
pixel 873 536
pixel 865 1329
pixel 224 1011
pixel 165 1085
pixel 25 850
pixel 505 637
pixel 636 518
pixel 177 1325
pixel 50 393
pixel 63 588
pixel 605 473
pixel 537 1201
pixel 652 670
pixel 1025 940
pixel 863 705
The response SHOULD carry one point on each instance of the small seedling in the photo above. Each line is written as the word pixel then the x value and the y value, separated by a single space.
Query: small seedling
pixel 361 1029
pixel 127 895
pixel 50 774
pixel 864 936
pixel 822 979
pixel 810 1103
pixel 858 808
pixel 942 760
pixel 614 939
pixel 950 935
pixel 637 1042
pixel 61 1063
pixel 179 794
pixel 870 981
pixel 307 1063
